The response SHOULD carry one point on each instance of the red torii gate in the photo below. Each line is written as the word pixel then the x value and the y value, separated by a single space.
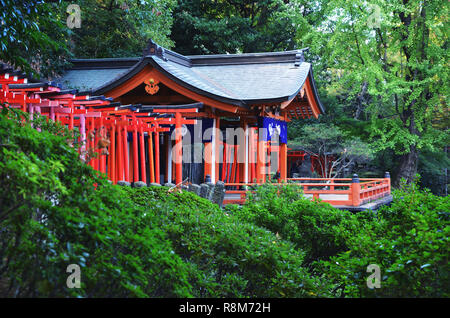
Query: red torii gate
pixel 100 118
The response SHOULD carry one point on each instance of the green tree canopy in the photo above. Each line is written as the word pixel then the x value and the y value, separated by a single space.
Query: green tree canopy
pixel 389 60
pixel 32 36
pixel 338 150
pixel 120 28
pixel 225 26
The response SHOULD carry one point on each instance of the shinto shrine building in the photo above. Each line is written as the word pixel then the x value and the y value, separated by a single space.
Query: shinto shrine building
pixel 168 118
pixel 214 91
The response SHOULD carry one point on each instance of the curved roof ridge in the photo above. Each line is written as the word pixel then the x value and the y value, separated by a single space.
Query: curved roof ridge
pixel 235 79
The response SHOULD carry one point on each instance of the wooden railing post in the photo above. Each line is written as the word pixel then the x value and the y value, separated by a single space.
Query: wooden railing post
pixel 387 176
pixel 356 190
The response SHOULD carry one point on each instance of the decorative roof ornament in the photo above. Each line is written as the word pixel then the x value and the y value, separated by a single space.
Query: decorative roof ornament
pixel 300 56
pixel 151 86
pixel 154 49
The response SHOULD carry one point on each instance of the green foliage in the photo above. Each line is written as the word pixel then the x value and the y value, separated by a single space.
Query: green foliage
pixel 205 27
pixel 313 226
pixel 55 211
pixel 338 149
pixel 387 61
pixel 32 36
pixel 229 257
pixel 143 242
pixel 119 28
pixel 409 240
pixel 432 168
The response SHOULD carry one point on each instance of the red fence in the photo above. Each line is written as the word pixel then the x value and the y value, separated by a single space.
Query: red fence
pixel 338 192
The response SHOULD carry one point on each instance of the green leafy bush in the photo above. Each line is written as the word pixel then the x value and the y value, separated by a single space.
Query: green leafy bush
pixel 409 242
pixel 129 242
pixel 229 257
pixel 145 242
pixel 408 239
pixel 55 211
pixel 313 226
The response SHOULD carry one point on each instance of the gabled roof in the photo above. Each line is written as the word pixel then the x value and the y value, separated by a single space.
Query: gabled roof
pixel 236 79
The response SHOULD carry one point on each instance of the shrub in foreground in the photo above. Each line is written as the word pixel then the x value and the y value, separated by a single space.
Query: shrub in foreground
pixel 313 226
pixel 55 211
pixel 410 244
pixel 230 257
pixel 408 240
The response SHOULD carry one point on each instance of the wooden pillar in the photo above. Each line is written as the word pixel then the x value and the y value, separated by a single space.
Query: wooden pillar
pixel 355 191
pixel 71 114
pixel 225 162
pixel 252 155
pixel 268 145
pixel 142 147
pixel 208 159
pixel 234 165
pixel 157 168
pixel 178 149
pixel 135 154
pixel 108 158
pixel 102 157
pixel 83 134
pixel 131 160
pixel 242 155
pixel 216 150
pixel 169 158
pixel 151 167
pixel 260 159
pixel 91 140
pixel 283 158
pixel 125 153
pixel 120 174
pixel 112 156
pixel 24 104
pixel 246 162
pixel 283 162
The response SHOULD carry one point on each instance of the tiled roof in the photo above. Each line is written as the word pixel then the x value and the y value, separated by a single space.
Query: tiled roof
pixel 88 79
pixel 239 79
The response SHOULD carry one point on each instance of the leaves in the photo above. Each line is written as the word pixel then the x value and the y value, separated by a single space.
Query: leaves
pixel 51 216
pixel 338 150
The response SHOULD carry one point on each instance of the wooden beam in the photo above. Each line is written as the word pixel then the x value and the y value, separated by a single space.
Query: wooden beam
pixel 149 72
pixel 178 150
pixel 311 99
pixel 150 157
pixel 157 168
pixel 216 149
pixel 125 153
pixel 283 158
pixel 112 156
pixel 142 147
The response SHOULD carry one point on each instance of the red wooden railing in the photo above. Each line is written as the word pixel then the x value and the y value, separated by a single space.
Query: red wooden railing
pixel 338 191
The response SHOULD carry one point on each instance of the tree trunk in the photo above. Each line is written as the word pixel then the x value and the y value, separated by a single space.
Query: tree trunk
pixel 408 166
